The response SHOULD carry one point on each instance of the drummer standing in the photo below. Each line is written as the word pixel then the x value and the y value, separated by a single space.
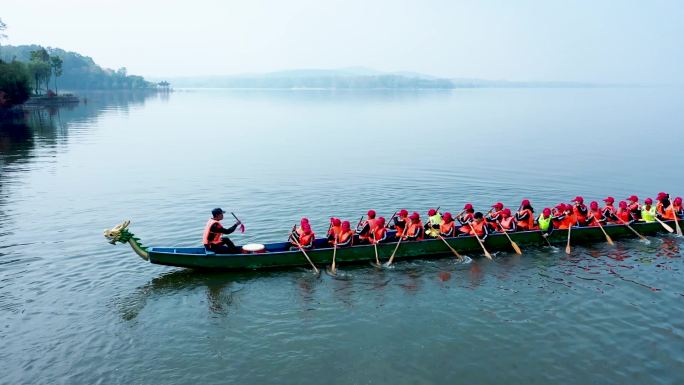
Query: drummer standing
pixel 213 231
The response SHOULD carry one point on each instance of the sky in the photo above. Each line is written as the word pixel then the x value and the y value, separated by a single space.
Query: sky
pixel 626 41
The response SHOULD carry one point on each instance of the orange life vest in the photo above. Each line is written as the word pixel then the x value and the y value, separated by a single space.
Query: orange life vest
pixel 400 230
pixel 211 238
pixel 477 228
pixel 306 240
pixel 569 220
pixel 667 213
pixel 378 234
pixel 334 233
pixel 582 218
pixel 507 223
pixel 610 209
pixel 414 229
pixel 346 237
pixel 445 229
pixel 624 215
pixel 597 215
pixel 371 224
pixel 526 224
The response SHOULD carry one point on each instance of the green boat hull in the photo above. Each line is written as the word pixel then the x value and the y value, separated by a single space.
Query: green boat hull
pixel 197 258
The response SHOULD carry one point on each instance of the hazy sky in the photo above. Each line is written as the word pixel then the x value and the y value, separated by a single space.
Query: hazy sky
pixel 592 40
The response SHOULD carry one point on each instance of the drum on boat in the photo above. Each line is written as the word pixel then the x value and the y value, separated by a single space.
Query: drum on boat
pixel 253 248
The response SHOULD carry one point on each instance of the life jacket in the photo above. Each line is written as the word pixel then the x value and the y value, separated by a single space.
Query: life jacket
pixel 507 223
pixel 667 213
pixel 334 231
pixel 378 234
pixel 345 237
pixel 371 224
pixel 581 217
pixel 625 215
pixel 400 225
pixel 597 215
pixel 466 218
pixel 493 219
pixel 544 223
pixel 306 240
pixel 435 220
pixel 414 229
pixel 478 228
pixel 678 210
pixel 648 215
pixel 568 221
pixel 608 212
pixel 528 223
pixel 208 237
pixel 447 229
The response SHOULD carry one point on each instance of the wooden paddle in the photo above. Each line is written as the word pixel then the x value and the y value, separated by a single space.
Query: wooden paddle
pixel 513 244
pixel 676 220
pixel 302 250
pixel 395 248
pixel 359 224
pixel 665 225
pixel 333 271
pixel 630 227
pixel 387 226
pixel 610 241
pixel 460 258
pixel 375 246
pixel 486 253
pixel 242 227
pixel 567 248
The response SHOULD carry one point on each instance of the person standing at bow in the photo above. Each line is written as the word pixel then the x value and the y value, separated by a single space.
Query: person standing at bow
pixel 648 211
pixel 544 222
pixel 525 216
pixel 580 210
pixel 213 239
pixel 364 229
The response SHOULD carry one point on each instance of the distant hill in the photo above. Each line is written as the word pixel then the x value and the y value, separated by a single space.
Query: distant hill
pixel 80 72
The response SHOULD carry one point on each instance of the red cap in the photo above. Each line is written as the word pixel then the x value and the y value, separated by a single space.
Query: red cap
pixel 506 212
pixel 661 196
pixel 371 214
pixel 304 221
pixel 432 212
pixel 648 201
pixel 498 205
pixel 345 226
pixel 403 213
pixel 633 198
pixel 414 216
pixel 622 204
pixel 578 199
pixel 593 205
pixel 525 202
pixel 447 217
pixel 560 206
pixel 568 207
pixel 380 222
pixel 678 201
pixel 336 222
pixel 306 228
pixel 546 212
pixel 610 200
pixel 468 206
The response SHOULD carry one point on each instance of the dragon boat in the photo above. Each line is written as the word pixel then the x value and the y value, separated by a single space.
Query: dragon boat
pixel 280 255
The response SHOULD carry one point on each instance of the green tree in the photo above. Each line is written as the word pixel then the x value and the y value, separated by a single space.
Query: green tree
pixel 15 84
pixel 39 68
pixel 56 66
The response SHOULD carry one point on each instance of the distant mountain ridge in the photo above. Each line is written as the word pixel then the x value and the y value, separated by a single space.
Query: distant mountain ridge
pixel 356 78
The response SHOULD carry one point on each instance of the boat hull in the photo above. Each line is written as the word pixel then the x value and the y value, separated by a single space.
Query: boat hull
pixel 278 255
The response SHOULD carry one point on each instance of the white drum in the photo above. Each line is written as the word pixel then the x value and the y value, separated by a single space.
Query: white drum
pixel 254 248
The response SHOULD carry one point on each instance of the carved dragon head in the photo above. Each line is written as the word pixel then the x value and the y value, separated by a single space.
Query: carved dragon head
pixel 119 233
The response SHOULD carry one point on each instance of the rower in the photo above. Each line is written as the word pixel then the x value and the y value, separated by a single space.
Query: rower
pixel 609 211
pixel 434 219
pixel 634 207
pixel 525 216
pixel 580 210
pixel 479 226
pixel 346 237
pixel 400 222
pixel 623 213
pixel 415 228
pixel 448 227
pixel 364 229
pixel 679 211
pixel 304 236
pixel 544 222
pixel 648 211
pixel 335 229
pixel 558 215
pixel 595 216
pixel 506 221
pixel 664 208
pixel 569 217
pixel 300 231
pixel 212 238
pixel 466 216
pixel 494 215
pixel 378 232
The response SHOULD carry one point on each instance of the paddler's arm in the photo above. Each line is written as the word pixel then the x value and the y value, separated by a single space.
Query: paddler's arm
pixel 223 230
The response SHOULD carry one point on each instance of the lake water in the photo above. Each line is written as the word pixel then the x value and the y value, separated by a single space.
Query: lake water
pixel 77 310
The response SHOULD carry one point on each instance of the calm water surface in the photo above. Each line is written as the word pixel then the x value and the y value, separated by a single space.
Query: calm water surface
pixel 77 310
